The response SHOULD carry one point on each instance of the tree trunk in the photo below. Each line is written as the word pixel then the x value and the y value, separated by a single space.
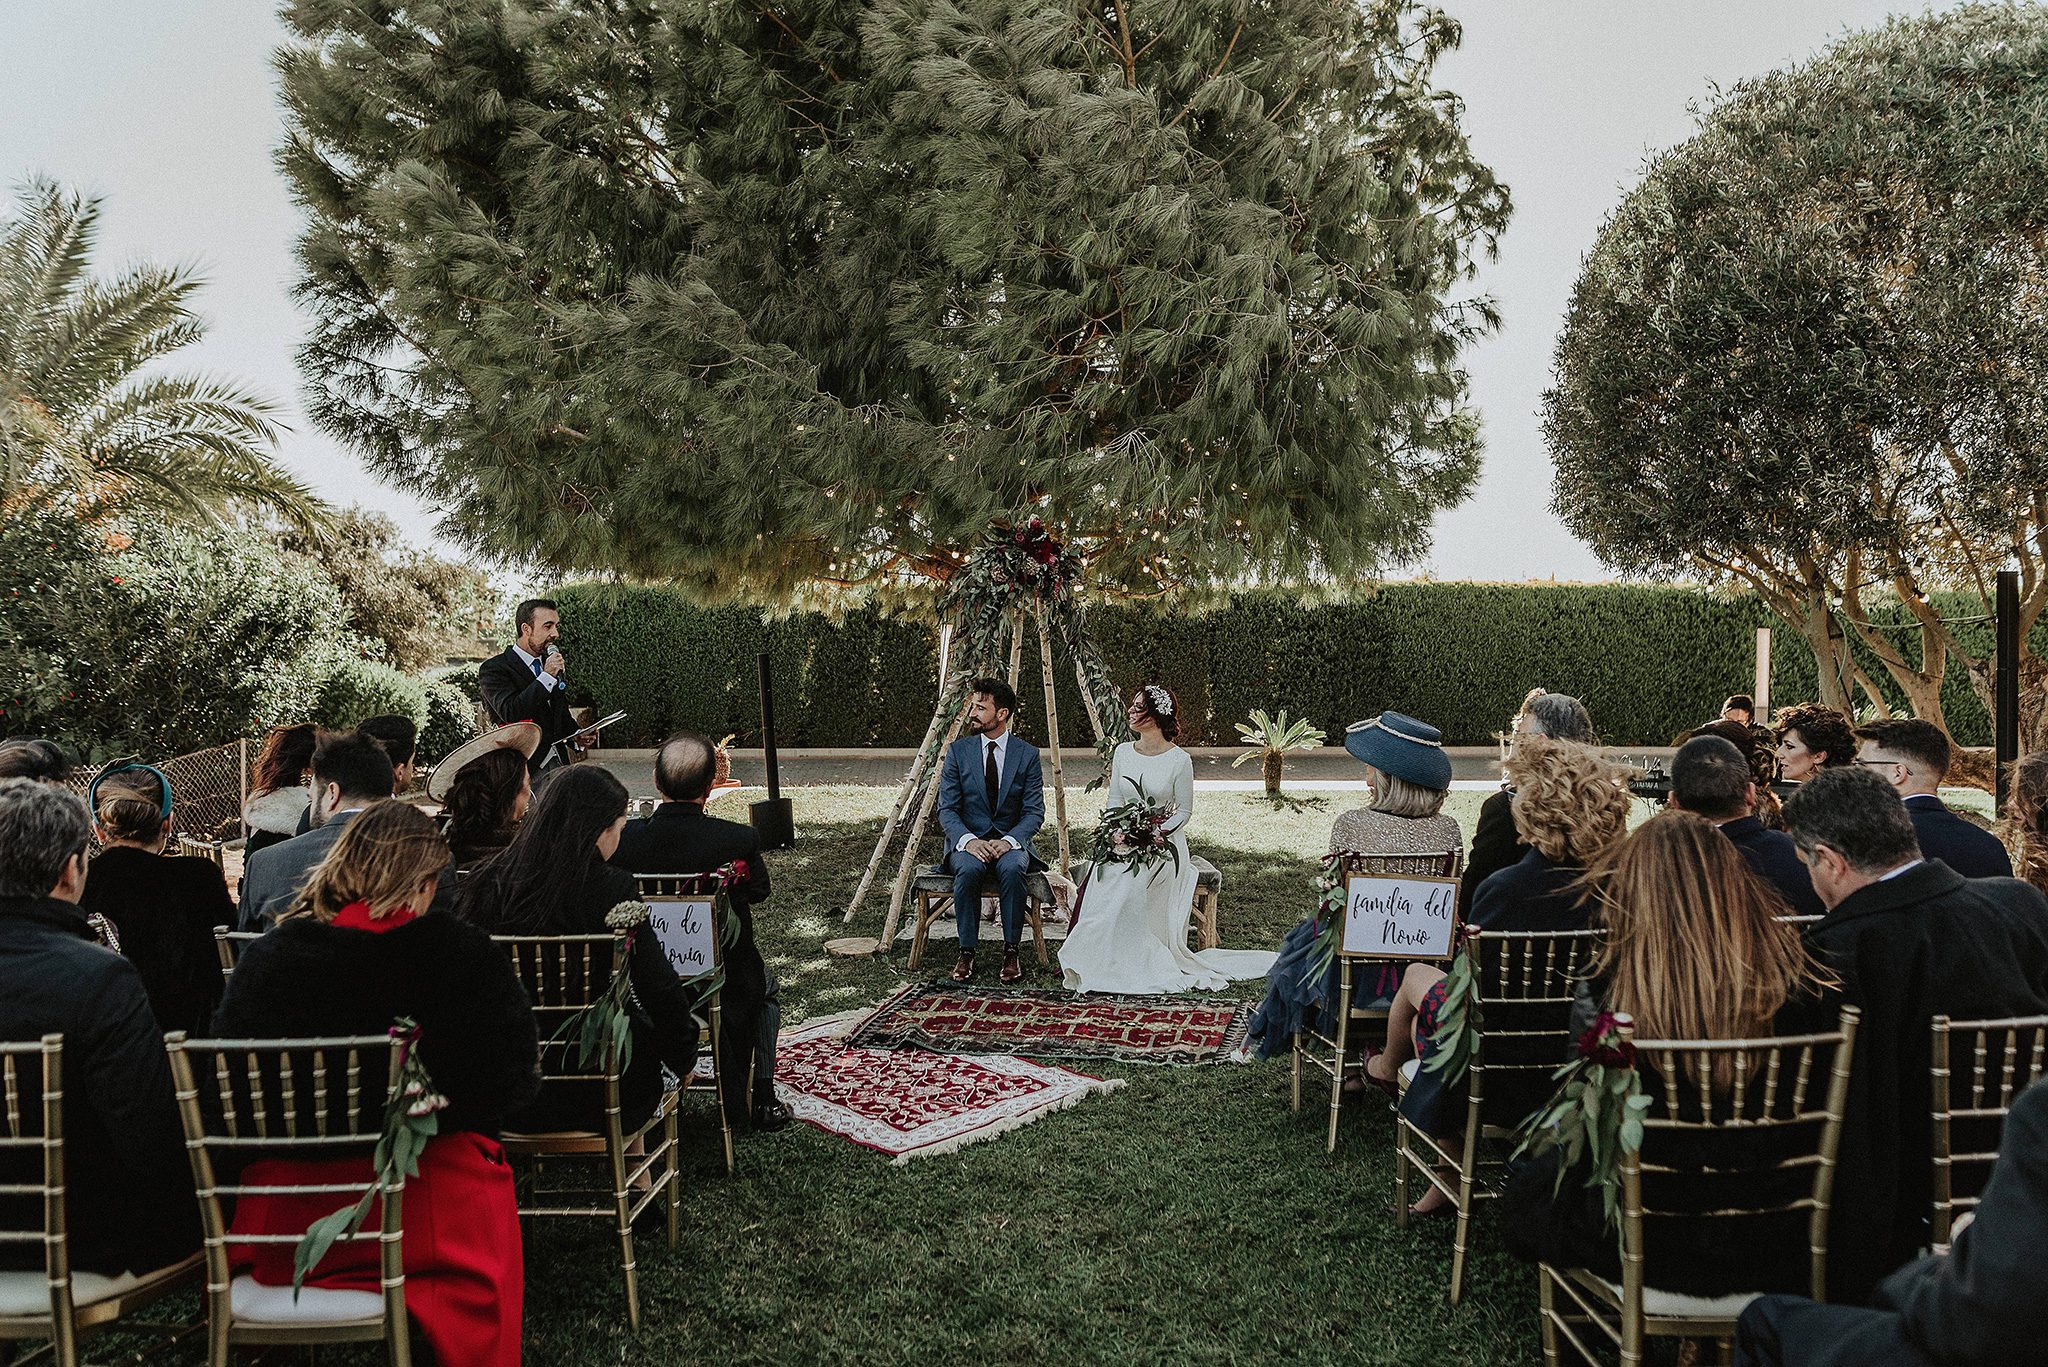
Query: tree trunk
pixel 1274 759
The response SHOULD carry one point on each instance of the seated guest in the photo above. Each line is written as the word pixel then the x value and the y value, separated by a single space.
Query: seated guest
pixel 128 1194
pixel 1409 777
pixel 1984 1303
pixel 1495 845
pixel 278 794
pixel 1811 738
pixel 484 804
pixel 1739 708
pixel 1911 939
pixel 32 757
pixel 677 837
pixel 1914 755
pixel 1710 779
pixel 163 907
pixel 2026 820
pixel 1763 767
pixel 1678 905
pixel 400 737
pixel 350 772
pixel 1570 804
pixel 352 955
pixel 553 880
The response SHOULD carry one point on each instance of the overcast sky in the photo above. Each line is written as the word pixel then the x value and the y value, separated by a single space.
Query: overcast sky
pixel 170 112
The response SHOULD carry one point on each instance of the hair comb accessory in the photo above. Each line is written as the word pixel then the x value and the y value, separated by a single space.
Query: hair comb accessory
pixel 1159 699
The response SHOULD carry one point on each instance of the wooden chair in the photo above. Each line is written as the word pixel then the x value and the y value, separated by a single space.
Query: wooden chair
pixel 1351 1003
pixel 1208 902
pixel 563 974
pixel 1979 1067
pixel 199 847
pixel 244 1100
pixel 1774 1131
pixel 934 895
pixel 229 944
pixel 1523 989
pixel 57 1304
pixel 655 889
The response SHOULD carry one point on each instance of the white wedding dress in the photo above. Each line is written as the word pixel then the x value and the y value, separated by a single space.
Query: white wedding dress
pixel 1131 934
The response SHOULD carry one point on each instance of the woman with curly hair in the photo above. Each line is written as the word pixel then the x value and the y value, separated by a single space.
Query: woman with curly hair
pixel 1810 738
pixel 1570 804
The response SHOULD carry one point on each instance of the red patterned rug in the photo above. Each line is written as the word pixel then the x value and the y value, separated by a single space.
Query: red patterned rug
pixel 950 1018
pixel 912 1104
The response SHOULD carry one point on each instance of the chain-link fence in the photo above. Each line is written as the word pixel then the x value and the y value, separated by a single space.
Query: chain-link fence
pixel 208 788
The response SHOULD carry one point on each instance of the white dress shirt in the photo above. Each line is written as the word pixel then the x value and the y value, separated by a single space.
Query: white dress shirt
pixel 547 680
pixel 1002 749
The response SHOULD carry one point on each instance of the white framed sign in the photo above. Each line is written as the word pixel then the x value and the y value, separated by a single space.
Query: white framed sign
pixel 1399 916
pixel 687 928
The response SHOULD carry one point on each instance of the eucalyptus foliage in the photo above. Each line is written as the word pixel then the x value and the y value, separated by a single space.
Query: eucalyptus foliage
pixel 762 297
pixel 1809 352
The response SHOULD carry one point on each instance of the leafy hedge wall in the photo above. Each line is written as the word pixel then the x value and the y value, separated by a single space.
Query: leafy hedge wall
pixel 1649 661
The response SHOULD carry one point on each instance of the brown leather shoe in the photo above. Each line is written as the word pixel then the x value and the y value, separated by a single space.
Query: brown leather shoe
pixel 963 972
pixel 1012 970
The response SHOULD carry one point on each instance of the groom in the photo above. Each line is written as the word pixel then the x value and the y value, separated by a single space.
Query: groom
pixel 991 802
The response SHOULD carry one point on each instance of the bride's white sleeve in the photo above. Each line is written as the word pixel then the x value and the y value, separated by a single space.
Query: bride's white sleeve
pixel 1183 792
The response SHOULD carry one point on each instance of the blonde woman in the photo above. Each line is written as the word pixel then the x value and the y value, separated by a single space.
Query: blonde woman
pixel 353 955
pixel 1569 805
pixel 1695 948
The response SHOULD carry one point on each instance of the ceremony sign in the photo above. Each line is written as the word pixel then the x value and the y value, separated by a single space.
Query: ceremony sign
pixel 687 928
pixel 1399 916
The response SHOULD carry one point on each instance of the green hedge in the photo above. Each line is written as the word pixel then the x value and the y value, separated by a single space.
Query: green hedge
pixel 1649 661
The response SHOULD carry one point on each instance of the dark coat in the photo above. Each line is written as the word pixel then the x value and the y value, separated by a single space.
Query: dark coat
pixel 1961 844
pixel 164 908
pixel 1568 1227
pixel 679 838
pixel 513 692
pixel 664 1031
pixel 1495 846
pixel 477 1036
pixel 1530 894
pixel 1980 1305
pixel 128 1200
pixel 1774 858
pixel 1928 942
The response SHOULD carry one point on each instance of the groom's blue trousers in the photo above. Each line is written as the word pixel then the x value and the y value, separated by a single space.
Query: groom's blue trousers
pixel 968 873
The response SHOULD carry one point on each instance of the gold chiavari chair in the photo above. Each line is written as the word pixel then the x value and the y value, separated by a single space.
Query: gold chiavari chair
pixel 201 848
pixel 55 1304
pixel 1762 1147
pixel 1330 1054
pixel 1523 988
pixel 655 889
pixel 246 1100
pixel 229 944
pixel 1979 1067
pixel 563 974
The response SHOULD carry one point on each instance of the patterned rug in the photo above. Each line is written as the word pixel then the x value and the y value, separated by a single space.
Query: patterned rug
pixel 914 1104
pixel 950 1018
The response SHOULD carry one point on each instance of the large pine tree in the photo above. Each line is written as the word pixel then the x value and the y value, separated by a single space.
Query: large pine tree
pixel 761 295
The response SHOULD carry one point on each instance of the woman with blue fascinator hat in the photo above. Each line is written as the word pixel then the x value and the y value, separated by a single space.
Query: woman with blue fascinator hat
pixel 1410 776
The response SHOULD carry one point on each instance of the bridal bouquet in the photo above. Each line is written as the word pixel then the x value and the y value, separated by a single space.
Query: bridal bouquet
pixel 1135 833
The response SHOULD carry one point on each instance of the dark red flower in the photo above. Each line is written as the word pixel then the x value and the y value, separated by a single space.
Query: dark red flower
pixel 1045 553
pixel 1602 1044
pixel 1021 538
pixel 739 870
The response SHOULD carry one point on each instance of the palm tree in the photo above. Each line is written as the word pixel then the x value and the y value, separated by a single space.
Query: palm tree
pixel 81 424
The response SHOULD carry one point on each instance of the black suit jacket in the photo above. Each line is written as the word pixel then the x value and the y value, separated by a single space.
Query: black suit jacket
pixel 128 1189
pixel 1964 846
pixel 512 692
pixel 1774 858
pixel 1979 1305
pixel 1495 846
pixel 1928 942
pixel 679 838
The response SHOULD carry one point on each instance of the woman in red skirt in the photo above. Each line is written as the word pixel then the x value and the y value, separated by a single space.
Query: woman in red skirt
pixel 352 957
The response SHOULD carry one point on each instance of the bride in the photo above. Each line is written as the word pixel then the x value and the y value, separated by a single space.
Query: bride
pixel 1131 929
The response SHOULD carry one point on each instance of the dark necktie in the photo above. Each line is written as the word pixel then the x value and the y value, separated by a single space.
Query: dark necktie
pixel 536 669
pixel 990 777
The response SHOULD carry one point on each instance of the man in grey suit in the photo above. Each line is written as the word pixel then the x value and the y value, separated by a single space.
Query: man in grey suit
pixel 350 771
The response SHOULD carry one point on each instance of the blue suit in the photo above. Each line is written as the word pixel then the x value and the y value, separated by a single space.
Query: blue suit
pixel 964 810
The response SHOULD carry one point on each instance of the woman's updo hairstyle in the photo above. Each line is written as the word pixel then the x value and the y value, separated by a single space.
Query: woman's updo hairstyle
pixel 130 803
pixel 1162 707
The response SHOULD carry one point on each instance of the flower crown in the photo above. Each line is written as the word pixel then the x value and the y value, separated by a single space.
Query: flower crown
pixel 1159 699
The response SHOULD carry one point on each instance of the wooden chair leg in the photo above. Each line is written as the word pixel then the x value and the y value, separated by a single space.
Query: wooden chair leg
pixel 1468 1169
pixel 1206 935
pixel 1546 1312
pixel 924 927
pixel 1401 1162
pixel 1337 1064
pixel 672 1170
pixel 1294 1049
pixel 719 1080
pixel 622 1217
pixel 1038 933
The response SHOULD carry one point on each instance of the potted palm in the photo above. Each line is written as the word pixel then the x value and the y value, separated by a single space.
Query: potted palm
pixel 1271 738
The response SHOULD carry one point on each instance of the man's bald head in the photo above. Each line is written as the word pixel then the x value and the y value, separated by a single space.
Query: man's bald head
pixel 685 767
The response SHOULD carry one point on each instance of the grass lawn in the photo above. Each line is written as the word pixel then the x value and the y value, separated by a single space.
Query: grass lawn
pixel 1187 1218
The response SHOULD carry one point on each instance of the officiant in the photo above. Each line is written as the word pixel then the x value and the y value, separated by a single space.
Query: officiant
pixel 529 683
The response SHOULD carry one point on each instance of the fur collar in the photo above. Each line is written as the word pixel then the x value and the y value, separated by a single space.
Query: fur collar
pixel 277 811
